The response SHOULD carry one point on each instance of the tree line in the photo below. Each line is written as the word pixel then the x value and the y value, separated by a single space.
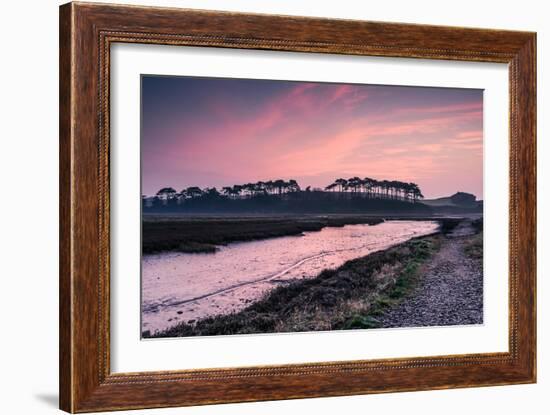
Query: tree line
pixel 271 187
pixel 385 189
pixel 352 187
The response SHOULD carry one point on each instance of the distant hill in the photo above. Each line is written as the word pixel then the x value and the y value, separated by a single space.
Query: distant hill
pixel 460 202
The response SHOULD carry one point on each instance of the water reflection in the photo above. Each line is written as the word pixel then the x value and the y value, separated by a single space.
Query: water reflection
pixel 185 287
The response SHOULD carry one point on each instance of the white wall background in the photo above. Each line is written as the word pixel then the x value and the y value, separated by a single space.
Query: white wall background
pixel 29 232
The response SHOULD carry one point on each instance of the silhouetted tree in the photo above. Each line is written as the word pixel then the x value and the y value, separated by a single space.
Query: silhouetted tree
pixel 354 184
pixel 293 186
pixel 193 192
pixel 342 183
pixel 166 193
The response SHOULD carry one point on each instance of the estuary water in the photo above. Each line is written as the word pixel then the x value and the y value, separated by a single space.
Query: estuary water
pixel 180 287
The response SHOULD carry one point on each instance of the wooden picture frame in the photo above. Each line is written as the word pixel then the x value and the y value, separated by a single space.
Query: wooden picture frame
pixel 86 33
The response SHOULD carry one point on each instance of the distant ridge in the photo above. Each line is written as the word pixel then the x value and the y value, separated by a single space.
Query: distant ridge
pixel 460 202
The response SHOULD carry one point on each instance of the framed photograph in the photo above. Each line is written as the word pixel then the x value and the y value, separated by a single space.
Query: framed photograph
pixel 260 207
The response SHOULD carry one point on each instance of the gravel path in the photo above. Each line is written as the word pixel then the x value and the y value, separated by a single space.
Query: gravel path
pixel 449 293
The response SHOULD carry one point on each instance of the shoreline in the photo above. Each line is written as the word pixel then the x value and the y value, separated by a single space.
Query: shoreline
pixel 205 235
pixel 187 235
pixel 352 296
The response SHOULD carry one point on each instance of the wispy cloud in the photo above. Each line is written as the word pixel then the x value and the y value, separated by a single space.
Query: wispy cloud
pixel 257 130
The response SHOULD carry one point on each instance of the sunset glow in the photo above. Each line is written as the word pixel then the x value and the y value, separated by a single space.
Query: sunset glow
pixel 217 132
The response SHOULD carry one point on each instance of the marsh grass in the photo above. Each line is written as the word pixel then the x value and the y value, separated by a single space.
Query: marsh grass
pixel 405 278
pixel 205 235
pixel 474 248
pixel 447 225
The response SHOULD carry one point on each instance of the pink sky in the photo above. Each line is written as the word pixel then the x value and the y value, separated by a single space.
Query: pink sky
pixel 217 132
